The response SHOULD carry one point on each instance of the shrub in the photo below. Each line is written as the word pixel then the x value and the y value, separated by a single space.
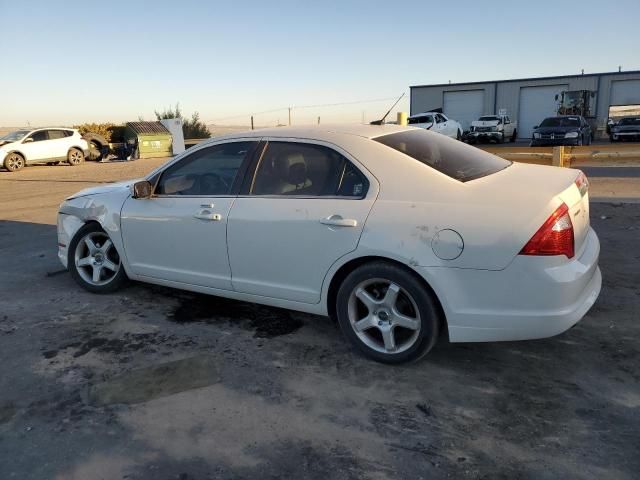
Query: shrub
pixel 104 129
pixel 191 128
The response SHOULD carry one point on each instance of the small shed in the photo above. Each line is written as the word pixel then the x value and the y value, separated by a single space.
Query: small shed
pixel 152 139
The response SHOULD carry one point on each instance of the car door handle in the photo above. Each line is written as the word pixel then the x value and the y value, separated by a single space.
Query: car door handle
pixel 205 214
pixel 338 221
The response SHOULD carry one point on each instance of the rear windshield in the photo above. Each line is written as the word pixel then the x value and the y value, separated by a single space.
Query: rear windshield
pixel 561 122
pixel 451 157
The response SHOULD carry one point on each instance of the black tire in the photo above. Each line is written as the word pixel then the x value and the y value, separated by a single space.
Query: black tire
pixel 514 135
pixel 115 283
pixel 75 157
pixel 14 162
pixel 428 313
pixel 459 135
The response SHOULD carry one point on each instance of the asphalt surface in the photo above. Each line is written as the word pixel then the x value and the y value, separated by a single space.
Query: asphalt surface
pixel 155 383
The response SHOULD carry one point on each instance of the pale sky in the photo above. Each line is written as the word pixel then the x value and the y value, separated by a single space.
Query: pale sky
pixel 93 61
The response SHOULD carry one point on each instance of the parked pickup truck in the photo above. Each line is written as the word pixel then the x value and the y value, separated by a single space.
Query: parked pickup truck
pixel 492 128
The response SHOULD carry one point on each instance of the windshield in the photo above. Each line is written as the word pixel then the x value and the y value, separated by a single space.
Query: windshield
pixel 420 119
pixel 629 121
pixel 561 122
pixel 489 118
pixel 451 157
pixel 14 136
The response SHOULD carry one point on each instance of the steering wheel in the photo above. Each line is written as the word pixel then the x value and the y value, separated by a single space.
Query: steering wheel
pixel 213 184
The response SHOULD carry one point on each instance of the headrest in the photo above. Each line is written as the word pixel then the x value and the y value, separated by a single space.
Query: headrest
pixel 297 174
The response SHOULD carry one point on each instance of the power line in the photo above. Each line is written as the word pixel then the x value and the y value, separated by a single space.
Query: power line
pixel 320 105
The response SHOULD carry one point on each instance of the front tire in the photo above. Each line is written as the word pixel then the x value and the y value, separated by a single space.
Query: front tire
pixel 75 157
pixel 14 162
pixel 94 262
pixel 387 313
pixel 459 135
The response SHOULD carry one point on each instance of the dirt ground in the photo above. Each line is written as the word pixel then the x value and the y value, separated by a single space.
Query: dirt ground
pixel 154 383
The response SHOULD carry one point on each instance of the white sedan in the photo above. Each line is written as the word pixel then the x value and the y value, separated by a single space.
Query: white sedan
pixel 399 233
pixel 436 122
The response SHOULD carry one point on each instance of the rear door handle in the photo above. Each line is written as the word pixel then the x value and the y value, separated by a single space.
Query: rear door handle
pixel 338 221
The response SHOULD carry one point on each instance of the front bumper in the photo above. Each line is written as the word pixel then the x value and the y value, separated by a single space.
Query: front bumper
pixel 484 136
pixel 534 297
pixel 68 225
pixel 625 135
pixel 547 142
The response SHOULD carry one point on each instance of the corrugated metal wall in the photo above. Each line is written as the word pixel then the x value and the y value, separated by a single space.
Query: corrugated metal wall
pixel 507 93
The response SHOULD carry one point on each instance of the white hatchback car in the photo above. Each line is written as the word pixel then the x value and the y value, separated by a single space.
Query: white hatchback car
pixel 42 145
pixel 437 122
pixel 399 233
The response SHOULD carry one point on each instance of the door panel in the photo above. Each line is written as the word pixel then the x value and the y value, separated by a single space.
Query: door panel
pixel 283 247
pixel 180 233
pixel 305 208
pixel 38 149
pixel 172 238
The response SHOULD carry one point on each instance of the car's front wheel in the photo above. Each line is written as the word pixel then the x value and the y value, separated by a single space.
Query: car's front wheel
pixel 14 162
pixel 387 313
pixel 94 262
pixel 75 157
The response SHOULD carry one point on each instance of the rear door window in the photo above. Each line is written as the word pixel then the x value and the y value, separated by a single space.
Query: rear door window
pixel 453 158
pixel 56 134
pixel 305 169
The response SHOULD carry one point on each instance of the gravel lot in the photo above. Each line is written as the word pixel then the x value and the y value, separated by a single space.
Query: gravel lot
pixel 154 383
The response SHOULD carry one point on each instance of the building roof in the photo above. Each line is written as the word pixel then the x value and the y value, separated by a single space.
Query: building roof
pixel 148 128
pixel 556 77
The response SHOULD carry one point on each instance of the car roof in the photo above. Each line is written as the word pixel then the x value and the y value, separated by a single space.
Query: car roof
pixel 319 132
pixel 424 113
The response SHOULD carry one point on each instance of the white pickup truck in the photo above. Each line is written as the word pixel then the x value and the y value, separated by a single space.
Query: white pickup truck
pixel 492 128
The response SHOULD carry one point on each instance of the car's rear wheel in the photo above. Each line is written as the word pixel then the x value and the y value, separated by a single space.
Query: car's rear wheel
pixel 513 136
pixel 387 313
pixel 14 162
pixel 75 157
pixel 459 135
pixel 94 262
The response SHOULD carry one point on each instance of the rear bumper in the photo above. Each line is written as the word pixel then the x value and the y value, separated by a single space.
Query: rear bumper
pixel 534 297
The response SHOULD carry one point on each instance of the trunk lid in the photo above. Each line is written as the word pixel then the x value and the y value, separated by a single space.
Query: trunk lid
pixel 514 203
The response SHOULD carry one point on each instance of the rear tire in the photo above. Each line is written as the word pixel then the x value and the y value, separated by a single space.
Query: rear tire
pixel 14 162
pixel 459 135
pixel 93 261
pixel 75 157
pixel 514 136
pixel 387 313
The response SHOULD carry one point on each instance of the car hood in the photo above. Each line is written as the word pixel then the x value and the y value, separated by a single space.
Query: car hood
pixel 556 129
pixel 4 143
pixel 626 128
pixel 101 189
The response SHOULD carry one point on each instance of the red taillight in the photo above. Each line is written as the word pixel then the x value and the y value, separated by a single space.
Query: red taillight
pixel 555 236
pixel 582 183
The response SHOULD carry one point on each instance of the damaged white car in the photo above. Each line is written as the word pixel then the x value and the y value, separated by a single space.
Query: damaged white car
pixel 400 234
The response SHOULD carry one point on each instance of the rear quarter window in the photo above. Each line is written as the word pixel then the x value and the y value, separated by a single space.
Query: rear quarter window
pixel 451 157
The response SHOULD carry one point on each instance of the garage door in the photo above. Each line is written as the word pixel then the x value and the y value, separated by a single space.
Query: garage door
pixel 625 92
pixel 465 106
pixel 536 103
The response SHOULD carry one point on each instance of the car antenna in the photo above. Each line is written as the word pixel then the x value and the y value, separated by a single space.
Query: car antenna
pixel 381 121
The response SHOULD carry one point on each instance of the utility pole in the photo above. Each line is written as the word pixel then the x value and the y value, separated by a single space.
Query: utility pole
pixel 289 116
pixel 251 122
pixel 318 120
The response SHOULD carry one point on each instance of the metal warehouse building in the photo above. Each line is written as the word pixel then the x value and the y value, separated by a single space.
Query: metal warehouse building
pixel 530 100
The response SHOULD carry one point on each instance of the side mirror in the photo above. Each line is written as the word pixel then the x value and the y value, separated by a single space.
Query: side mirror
pixel 28 140
pixel 142 189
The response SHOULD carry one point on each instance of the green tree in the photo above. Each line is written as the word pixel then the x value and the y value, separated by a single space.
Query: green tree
pixel 191 127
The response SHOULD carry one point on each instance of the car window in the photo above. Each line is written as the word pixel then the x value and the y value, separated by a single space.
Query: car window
pixel 207 172
pixel 440 118
pixel 56 134
pixel 420 119
pixel 453 158
pixel 39 136
pixel 291 168
pixel 561 122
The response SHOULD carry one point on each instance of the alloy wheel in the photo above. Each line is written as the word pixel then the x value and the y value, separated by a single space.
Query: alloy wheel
pixel 96 259
pixel 384 316
pixel 14 162
pixel 75 157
